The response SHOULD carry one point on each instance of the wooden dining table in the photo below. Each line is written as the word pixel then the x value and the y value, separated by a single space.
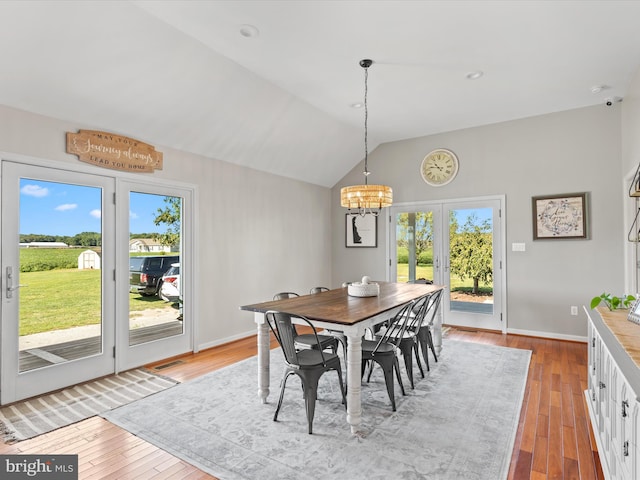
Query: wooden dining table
pixel 337 310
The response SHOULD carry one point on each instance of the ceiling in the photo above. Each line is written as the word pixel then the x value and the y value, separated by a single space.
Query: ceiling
pixel 180 74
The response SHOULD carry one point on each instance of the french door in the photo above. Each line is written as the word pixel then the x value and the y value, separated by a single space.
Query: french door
pixel 457 244
pixel 67 312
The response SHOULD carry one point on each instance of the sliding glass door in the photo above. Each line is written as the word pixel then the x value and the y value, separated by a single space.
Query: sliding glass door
pixel 58 293
pixel 458 245
pixel 157 318
pixel 71 311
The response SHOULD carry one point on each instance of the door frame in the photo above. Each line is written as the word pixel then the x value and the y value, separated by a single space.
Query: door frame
pixel 131 356
pixel 16 384
pixel 440 203
pixel 191 309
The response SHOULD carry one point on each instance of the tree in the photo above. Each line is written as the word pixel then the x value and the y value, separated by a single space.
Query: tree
pixel 423 231
pixel 471 251
pixel 170 215
pixel 86 239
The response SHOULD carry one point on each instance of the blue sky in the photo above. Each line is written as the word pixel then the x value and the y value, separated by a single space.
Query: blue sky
pixel 480 213
pixel 50 208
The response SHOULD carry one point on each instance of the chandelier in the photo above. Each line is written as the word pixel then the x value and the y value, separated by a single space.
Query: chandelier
pixel 366 198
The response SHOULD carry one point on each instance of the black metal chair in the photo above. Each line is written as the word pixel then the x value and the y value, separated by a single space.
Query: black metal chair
pixel 407 340
pixel 309 364
pixel 425 338
pixel 307 340
pixel 341 337
pixel 383 350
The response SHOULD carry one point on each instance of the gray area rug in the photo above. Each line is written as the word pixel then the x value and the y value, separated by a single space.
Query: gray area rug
pixel 459 422
pixel 43 414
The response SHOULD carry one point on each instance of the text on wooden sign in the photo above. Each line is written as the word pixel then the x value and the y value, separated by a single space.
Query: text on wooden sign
pixel 113 151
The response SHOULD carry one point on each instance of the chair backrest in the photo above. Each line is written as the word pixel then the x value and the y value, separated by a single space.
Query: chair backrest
pixel 397 326
pixel 419 310
pixel 318 290
pixel 432 307
pixel 284 330
pixel 283 295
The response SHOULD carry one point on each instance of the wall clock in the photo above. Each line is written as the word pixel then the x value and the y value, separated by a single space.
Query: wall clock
pixel 439 167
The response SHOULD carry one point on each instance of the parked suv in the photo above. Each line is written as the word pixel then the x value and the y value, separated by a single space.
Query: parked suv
pixel 145 273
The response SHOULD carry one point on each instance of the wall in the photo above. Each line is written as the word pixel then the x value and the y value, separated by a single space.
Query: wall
pixel 571 151
pixel 257 233
pixel 630 161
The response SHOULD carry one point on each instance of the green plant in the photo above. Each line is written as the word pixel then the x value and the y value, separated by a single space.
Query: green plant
pixel 612 302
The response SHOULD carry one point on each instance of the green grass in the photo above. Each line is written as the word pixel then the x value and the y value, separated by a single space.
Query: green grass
pixel 39 259
pixel 60 299
pixel 426 271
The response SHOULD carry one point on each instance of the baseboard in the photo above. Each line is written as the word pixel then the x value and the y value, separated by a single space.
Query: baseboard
pixel 554 336
pixel 512 331
pixel 221 341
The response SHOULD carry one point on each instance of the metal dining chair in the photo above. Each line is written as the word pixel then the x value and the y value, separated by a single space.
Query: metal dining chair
pixel 309 364
pixel 407 339
pixel 340 336
pixel 308 340
pixel 383 350
pixel 425 337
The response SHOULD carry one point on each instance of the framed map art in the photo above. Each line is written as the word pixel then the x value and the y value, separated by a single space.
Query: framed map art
pixel 361 230
pixel 560 216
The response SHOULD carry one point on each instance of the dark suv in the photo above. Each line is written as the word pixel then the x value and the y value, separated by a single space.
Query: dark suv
pixel 145 273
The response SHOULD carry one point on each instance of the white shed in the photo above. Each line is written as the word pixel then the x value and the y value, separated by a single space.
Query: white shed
pixel 89 260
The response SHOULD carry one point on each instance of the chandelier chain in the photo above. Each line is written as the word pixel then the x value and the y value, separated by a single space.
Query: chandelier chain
pixel 366 118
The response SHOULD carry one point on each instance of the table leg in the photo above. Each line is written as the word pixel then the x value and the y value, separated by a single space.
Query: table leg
pixel 354 389
pixel 263 356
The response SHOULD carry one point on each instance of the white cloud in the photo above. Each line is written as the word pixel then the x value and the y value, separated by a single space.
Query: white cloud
pixel 66 206
pixel 34 191
pixel 133 215
pixel 97 213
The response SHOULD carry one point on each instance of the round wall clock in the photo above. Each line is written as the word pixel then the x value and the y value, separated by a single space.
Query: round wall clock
pixel 439 167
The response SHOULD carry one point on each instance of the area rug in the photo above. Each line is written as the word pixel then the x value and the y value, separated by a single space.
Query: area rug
pixel 459 422
pixel 43 414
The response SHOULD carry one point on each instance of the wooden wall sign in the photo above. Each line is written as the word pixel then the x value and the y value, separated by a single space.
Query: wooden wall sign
pixel 108 150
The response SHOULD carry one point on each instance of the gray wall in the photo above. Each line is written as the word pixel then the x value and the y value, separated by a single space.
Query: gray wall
pixel 257 233
pixel 260 233
pixel 565 152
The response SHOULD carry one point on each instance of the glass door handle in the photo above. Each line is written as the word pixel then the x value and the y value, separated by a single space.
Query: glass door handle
pixel 9 283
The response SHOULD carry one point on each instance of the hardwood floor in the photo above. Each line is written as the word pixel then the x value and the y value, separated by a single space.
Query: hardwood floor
pixel 554 438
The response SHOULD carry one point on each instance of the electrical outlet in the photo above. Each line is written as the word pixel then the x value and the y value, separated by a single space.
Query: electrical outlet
pixel 574 310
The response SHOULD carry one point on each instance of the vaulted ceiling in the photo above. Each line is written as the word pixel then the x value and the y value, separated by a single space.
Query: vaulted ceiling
pixel 270 84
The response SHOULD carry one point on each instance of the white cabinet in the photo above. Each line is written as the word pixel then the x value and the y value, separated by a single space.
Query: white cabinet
pixel 612 400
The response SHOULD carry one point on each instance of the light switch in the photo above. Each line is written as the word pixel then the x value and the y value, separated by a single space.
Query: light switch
pixel 518 247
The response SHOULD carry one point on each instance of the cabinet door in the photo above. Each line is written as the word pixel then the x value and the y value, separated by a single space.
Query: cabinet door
pixel 605 388
pixel 628 421
pixel 594 341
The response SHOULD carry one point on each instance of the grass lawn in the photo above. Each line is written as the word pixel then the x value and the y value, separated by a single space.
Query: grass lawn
pixel 426 271
pixel 60 299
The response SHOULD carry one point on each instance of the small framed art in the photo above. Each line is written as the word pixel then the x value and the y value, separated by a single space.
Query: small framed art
pixel 634 312
pixel 560 216
pixel 361 230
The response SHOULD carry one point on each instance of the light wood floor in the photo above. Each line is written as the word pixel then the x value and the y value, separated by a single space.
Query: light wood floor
pixel 554 439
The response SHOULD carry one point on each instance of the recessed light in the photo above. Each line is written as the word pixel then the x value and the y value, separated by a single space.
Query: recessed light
pixel 474 75
pixel 357 105
pixel 249 31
